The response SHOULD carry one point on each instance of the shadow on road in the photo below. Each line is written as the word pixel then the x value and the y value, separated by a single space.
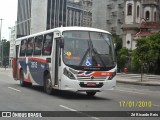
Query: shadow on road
pixel 68 94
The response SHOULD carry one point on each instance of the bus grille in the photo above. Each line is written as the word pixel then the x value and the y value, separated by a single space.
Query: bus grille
pixel 88 78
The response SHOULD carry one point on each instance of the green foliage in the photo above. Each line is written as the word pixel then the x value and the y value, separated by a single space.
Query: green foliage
pixel 6 48
pixel 117 42
pixel 147 52
pixel 122 58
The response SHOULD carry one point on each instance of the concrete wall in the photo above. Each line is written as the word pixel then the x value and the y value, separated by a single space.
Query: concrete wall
pixel 129 19
pixel 38 16
pixel 99 14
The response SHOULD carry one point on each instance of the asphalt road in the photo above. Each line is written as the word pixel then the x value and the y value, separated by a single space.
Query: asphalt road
pixel 125 97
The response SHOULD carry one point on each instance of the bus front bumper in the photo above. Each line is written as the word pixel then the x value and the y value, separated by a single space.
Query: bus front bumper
pixel 77 85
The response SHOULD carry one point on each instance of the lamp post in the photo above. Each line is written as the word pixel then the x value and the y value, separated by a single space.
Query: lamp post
pixel 10 39
pixel 1 48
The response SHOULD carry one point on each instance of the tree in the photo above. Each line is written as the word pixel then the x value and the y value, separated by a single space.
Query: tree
pixel 6 48
pixel 121 53
pixel 122 58
pixel 147 53
pixel 154 53
pixel 118 42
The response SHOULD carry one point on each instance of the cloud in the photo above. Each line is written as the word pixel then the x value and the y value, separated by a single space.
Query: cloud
pixel 8 12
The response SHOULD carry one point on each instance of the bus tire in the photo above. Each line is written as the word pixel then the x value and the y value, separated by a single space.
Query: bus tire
pixel 22 82
pixel 91 94
pixel 47 84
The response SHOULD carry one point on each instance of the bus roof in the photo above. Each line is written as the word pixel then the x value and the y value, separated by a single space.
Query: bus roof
pixel 61 29
pixel 80 28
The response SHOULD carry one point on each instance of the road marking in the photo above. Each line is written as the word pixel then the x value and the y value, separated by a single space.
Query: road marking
pixel 67 108
pixel 140 91
pixel 156 105
pixel 79 112
pixel 14 89
pixel 129 91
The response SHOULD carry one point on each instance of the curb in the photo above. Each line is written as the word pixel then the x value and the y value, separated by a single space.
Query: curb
pixel 138 83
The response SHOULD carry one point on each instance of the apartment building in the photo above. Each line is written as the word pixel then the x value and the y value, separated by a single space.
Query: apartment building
pixel 108 15
pixel 87 12
pixel 12 37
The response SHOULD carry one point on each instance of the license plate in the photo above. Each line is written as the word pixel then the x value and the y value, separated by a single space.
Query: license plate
pixel 91 84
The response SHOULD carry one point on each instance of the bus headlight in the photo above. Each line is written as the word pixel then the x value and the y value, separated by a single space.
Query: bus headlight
pixel 68 74
pixel 112 76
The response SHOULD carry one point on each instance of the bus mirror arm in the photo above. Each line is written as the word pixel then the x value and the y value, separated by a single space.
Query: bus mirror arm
pixel 61 41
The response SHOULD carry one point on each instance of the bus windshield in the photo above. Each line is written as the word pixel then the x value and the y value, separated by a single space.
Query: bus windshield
pixel 89 49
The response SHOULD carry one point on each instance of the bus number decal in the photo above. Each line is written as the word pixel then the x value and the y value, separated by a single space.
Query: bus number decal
pixel 33 64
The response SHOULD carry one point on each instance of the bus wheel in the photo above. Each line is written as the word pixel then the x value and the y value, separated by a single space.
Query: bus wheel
pixel 47 84
pixel 22 82
pixel 91 94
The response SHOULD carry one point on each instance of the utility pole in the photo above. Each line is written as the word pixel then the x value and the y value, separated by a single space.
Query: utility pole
pixel 1 47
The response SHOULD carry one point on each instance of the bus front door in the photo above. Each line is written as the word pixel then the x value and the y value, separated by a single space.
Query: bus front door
pixel 57 63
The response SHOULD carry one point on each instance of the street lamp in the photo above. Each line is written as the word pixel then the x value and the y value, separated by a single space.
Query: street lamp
pixel 1 40
pixel 9 28
pixel 10 37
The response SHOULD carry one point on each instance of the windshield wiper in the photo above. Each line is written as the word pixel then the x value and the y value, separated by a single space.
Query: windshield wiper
pixel 96 53
pixel 84 57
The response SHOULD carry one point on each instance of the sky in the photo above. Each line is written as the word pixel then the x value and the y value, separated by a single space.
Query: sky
pixel 8 12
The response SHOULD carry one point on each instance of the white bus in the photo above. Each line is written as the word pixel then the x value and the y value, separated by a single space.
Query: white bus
pixel 67 58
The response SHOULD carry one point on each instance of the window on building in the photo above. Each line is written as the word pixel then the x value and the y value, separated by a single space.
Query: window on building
pixel 155 16
pixel 129 11
pixel 38 45
pixel 138 11
pixel 23 47
pixel 47 45
pixel 30 46
pixel 147 15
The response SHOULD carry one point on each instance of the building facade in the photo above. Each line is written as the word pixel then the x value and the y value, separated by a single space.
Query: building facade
pixel 108 15
pixel 13 35
pixel 87 12
pixel 23 17
pixel 124 17
pixel 40 15
pixel 138 13
pixel 74 14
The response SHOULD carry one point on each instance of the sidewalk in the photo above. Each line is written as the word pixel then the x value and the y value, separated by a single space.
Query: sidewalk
pixel 148 80
pixel 6 71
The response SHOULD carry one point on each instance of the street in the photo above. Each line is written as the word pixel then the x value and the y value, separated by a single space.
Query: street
pixel 13 97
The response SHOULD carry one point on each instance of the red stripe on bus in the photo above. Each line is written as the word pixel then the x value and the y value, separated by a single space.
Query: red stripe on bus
pixel 38 60
pixel 18 74
pixel 102 74
pixel 97 74
pixel 27 79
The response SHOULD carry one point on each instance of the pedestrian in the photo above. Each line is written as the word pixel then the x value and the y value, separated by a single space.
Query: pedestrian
pixel 4 65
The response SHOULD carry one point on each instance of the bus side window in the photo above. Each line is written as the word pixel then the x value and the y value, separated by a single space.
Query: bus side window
pixel 38 45
pixel 47 45
pixel 30 46
pixel 23 47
